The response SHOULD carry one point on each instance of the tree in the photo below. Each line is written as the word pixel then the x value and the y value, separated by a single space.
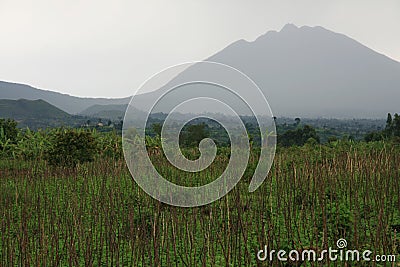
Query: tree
pixel 193 134
pixel 298 137
pixel 389 126
pixel 396 125
pixel 373 136
pixel 156 128
pixel 391 131
pixel 8 135
pixel 8 129
pixel 389 121
pixel 70 147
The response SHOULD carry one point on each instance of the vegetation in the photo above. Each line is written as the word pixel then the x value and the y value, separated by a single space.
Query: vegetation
pixel 69 147
pixel 38 114
pixel 193 134
pixel 8 135
pixel 91 213
pixel 390 132
pixel 8 130
pixel 299 136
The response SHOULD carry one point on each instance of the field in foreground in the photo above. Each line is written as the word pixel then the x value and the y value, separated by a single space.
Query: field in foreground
pixel 96 215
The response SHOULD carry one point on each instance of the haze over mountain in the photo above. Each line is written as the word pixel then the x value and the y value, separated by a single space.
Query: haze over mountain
pixel 312 72
pixel 105 111
pixel 306 71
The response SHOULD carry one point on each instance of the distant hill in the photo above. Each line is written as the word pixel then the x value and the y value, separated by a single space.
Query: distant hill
pixel 36 114
pixel 67 103
pixel 115 112
pixel 23 108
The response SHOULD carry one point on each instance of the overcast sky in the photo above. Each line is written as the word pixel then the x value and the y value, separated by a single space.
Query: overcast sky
pixel 108 48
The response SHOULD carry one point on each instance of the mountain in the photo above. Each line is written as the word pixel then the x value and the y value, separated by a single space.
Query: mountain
pixel 67 103
pixel 105 111
pixel 309 72
pixel 35 113
pixel 22 108
pixel 302 71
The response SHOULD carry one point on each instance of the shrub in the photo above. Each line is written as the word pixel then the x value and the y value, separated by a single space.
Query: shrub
pixel 298 137
pixel 8 136
pixel 373 137
pixel 9 129
pixel 71 147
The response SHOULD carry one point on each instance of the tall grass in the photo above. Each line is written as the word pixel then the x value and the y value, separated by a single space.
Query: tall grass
pixel 96 215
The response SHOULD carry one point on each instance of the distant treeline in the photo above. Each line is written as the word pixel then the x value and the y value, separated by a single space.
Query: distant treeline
pixel 99 139
pixel 391 130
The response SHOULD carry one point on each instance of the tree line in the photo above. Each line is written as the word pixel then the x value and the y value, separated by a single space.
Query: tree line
pixel 390 132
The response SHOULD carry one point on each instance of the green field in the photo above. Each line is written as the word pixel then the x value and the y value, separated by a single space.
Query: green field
pixel 94 214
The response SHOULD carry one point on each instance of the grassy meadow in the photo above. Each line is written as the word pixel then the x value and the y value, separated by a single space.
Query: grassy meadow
pixel 94 214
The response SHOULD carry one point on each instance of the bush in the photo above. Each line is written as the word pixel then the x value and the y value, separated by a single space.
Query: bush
pixel 8 136
pixel 9 129
pixel 71 147
pixel 373 137
pixel 299 137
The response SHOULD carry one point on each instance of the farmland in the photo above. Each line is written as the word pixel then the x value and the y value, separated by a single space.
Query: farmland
pixel 94 214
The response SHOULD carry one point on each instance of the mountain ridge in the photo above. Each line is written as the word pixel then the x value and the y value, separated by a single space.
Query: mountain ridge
pixel 33 113
pixel 29 108
pixel 68 103
pixel 346 63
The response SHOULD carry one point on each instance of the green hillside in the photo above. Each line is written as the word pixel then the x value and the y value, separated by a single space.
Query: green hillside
pixel 67 103
pixel 36 114
pixel 23 109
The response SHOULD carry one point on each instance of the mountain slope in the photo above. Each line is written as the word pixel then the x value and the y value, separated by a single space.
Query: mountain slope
pixel 37 114
pixel 22 108
pixel 313 72
pixel 318 72
pixel 67 103
pixel 105 111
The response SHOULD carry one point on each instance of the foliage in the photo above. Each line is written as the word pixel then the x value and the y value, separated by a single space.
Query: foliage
pixel 93 214
pixel 109 144
pixel 8 136
pixel 391 131
pixel 373 136
pixel 193 134
pixel 32 145
pixel 156 127
pixel 299 137
pixel 70 147
pixel 8 130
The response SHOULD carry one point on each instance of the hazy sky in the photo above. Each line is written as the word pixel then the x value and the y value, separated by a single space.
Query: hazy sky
pixel 108 48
